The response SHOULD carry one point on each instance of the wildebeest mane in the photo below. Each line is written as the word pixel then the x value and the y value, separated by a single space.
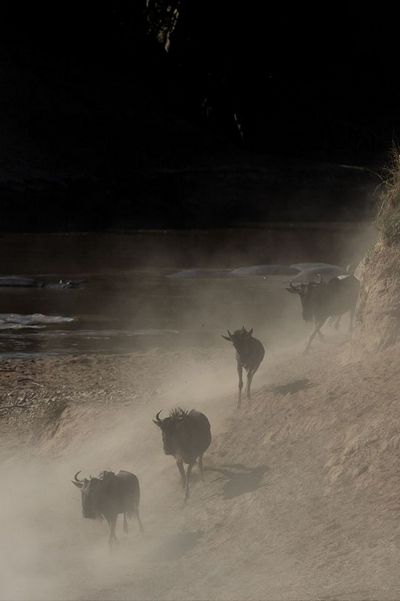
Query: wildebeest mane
pixel 105 474
pixel 178 413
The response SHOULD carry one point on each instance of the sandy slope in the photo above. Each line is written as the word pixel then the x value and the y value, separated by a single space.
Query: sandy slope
pixel 300 499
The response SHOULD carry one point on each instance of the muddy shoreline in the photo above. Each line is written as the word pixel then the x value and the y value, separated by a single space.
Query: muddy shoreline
pixel 35 392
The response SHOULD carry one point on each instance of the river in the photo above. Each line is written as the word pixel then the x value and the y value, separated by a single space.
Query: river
pixel 130 301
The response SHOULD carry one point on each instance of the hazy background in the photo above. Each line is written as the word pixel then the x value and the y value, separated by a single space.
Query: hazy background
pixel 131 297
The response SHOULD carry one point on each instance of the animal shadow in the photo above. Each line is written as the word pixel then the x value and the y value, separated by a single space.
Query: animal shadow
pixel 177 545
pixel 292 387
pixel 240 479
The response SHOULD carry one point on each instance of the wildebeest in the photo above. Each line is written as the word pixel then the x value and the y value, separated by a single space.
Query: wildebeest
pixel 321 300
pixel 186 435
pixel 249 354
pixel 109 495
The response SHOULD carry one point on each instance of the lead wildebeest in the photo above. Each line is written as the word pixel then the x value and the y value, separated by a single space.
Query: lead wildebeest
pixel 109 495
pixel 321 300
pixel 186 435
pixel 249 354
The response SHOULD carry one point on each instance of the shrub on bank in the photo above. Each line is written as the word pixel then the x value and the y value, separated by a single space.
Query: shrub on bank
pixel 388 219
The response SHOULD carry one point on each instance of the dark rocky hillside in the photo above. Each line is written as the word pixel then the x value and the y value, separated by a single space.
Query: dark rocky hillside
pixel 101 127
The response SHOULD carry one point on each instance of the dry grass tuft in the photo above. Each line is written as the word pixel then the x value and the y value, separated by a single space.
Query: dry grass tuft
pixel 388 219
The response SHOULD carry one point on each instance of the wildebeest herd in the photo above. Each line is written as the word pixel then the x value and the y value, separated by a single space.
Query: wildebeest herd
pixel 186 435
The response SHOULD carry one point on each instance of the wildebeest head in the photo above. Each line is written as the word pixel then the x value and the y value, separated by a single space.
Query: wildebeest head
pixel 168 427
pixel 90 495
pixel 239 338
pixel 306 291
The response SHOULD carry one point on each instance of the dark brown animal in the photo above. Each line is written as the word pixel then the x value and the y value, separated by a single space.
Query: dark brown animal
pixel 321 300
pixel 186 435
pixel 249 354
pixel 109 495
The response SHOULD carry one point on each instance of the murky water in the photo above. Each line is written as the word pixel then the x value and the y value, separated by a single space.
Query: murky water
pixel 132 311
pixel 128 301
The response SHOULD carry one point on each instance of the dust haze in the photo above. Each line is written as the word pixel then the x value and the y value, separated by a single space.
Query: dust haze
pixel 48 551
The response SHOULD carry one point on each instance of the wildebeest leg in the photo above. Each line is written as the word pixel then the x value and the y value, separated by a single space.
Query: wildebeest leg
pixel 240 374
pixel 316 331
pixel 138 519
pixel 125 524
pixel 179 463
pixel 188 472
pixel 112 522
pixel 201 467
pixel 250 375
pixel 351 320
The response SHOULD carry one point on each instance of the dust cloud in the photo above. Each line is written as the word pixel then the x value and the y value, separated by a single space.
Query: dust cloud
pixel 48 551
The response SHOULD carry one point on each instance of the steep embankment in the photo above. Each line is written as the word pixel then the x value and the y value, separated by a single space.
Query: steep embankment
pixel 378 316
pixel 323 518
pixel 379 307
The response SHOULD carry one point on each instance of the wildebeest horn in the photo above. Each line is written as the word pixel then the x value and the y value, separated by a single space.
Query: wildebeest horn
pixel 229 334
pixel 158 420
pixel 78 483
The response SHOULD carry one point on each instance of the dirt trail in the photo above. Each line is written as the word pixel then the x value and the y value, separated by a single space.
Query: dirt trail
pixel 300 499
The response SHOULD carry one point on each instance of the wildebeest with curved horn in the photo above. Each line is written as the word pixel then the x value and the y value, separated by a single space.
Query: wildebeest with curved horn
pixel 109 495
pixel 186 435
pixel 249 354
pixel 321 300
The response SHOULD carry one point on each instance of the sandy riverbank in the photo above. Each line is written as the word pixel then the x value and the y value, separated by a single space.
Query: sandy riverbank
pixel 300 492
